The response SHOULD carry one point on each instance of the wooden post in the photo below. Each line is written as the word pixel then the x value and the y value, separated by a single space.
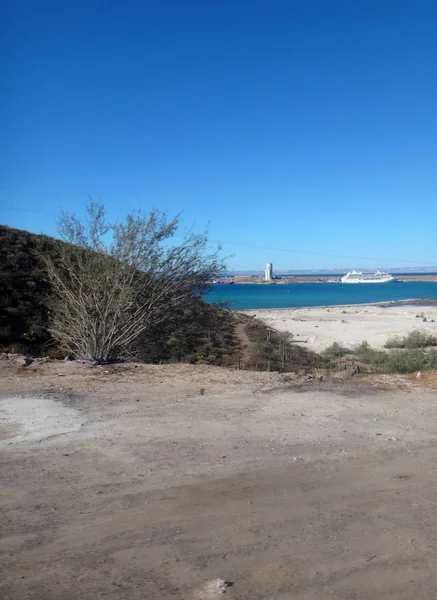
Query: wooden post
pixel 239 363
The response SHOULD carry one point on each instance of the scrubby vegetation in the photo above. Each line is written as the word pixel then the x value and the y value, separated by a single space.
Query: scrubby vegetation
pixel 398 359
pixel 409 361
pixel 201 333
pixel 197 333
pixel 269 349
pixel 335 350
pixel 370 356
pixel 419 302
pixel 415 339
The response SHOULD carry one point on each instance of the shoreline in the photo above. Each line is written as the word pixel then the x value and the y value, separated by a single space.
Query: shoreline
pixel 289 279
pixel 384 303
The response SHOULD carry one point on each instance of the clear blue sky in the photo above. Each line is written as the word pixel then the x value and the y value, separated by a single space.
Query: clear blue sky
pixel 288 124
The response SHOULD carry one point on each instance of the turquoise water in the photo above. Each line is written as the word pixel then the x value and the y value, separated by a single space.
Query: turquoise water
pixel 249 296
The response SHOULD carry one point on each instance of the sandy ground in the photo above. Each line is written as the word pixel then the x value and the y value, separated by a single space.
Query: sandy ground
pixel 153 482
pixel 319 327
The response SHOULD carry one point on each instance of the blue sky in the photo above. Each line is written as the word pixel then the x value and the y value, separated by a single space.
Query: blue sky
pixel 288 125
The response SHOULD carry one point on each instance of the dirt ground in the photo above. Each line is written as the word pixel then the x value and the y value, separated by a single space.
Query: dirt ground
pixel 154 481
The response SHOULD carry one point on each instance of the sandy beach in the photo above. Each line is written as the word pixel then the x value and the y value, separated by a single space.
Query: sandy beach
pixel 318 327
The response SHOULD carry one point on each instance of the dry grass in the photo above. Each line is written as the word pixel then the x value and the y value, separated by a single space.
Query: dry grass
pixel 387 382
pixel 321 373
pixel 428 379
pixel 398 381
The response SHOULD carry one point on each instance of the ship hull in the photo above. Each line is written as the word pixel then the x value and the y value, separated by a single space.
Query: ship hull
pixel 365 281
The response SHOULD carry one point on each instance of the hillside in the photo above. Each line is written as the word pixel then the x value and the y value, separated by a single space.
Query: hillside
pixel 201 333
pixel 204 333
pixel 24 290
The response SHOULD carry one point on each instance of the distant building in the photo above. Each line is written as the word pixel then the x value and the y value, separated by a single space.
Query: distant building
pixel 269 272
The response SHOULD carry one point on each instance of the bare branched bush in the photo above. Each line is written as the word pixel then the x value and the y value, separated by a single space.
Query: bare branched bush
pixel 112 283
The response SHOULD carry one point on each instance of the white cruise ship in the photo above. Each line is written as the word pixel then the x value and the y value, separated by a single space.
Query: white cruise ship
pixel 358 277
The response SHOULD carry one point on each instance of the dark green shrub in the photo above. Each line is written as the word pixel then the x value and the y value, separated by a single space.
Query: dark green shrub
pixel 23 286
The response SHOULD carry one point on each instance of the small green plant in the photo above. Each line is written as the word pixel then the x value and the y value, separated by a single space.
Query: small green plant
pixel 394 342
pixel 336 350
pixel 362 348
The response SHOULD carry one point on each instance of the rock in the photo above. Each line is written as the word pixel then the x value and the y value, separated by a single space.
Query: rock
pixel 212 589
pixel 346 373
pixel 305 377
pixel 23 361
pixel 42 360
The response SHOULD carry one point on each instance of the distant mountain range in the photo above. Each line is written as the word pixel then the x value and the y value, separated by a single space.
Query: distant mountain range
pixel 403 270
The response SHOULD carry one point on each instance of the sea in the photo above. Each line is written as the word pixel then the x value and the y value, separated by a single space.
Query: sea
pixel 253 296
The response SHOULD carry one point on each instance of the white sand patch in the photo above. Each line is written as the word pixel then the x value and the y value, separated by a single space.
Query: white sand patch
pixel 316 328
pixel 31 419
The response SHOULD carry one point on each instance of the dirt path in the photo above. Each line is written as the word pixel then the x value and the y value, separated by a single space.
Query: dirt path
pixel 289 492
pixel 241 334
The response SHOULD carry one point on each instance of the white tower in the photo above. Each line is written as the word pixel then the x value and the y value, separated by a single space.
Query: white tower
pixel 269 272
